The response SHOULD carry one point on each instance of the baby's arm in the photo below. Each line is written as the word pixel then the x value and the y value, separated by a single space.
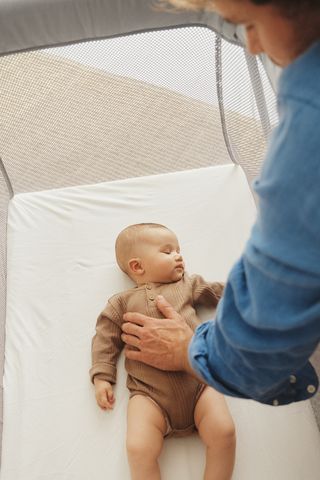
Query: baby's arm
pixel 206 293
pixel 106 348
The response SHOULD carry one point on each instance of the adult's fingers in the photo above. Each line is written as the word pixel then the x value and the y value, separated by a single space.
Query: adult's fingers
pixel 131 329
pixel 133 354
pixel 166 308
pixel 134 317
pixel 131 340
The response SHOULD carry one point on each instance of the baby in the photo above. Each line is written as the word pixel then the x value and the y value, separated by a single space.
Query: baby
pixel 161 404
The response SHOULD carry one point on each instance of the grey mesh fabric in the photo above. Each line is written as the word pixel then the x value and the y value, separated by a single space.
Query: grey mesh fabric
pixel 26 24
pixel 35 23
pixel 148 92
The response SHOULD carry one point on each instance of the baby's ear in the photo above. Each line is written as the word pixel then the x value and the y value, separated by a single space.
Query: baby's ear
pixel 135 266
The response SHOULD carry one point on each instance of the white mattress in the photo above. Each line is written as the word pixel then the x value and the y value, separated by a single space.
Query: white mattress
pixel 61 270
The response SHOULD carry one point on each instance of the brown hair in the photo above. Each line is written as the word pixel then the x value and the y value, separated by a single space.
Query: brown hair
pixel 291 8
pixel 288 7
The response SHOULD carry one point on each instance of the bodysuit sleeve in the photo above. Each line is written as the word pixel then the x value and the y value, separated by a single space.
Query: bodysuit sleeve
pixel 205 293
pixel 107 344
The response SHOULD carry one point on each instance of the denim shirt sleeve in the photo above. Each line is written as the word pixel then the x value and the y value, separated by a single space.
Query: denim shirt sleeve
pixel 268 321
pixel 240 357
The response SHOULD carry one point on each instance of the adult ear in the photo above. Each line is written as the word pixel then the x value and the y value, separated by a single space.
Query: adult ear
pixel 135 266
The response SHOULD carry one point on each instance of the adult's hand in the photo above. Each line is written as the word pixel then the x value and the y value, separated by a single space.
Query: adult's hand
pixel 159 342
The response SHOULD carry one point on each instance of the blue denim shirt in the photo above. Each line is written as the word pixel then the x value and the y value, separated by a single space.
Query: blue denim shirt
pixel 268 322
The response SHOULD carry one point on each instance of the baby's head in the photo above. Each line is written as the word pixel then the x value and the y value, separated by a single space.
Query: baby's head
pixel 149 252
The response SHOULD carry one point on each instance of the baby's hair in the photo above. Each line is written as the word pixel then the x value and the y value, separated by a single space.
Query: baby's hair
pixel 128 238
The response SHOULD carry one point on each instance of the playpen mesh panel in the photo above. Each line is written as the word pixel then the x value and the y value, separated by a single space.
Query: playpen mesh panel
pixel 130 106
pixel 70 124
pixel 4 198
pixel 249 106
pixel 125 107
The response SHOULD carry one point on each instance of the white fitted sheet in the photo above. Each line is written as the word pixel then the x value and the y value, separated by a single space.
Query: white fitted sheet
pixel 61 270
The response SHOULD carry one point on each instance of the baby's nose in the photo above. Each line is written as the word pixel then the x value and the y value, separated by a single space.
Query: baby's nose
pixel 178 256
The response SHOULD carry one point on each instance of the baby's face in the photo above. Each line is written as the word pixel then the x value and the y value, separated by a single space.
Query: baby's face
pixel 160 256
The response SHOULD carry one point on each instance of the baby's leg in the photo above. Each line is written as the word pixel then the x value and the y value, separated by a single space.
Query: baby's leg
pixel 217 431
pixel 146 427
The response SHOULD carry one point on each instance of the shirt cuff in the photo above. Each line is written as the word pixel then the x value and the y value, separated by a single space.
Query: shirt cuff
pixel 299 385
pixel 198 359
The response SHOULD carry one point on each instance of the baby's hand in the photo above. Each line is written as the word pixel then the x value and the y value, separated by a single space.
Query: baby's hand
pixel 104 394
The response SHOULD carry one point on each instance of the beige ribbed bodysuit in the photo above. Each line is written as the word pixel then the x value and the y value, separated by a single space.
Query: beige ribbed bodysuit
pixel 176 393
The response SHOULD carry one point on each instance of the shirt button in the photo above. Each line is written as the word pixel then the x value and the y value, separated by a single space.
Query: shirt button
pixel 275 403
pixel 148 287
pixel 311 388
pixel 293 379
pixel 151 297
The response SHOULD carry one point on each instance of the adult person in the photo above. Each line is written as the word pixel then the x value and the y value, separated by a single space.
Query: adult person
pixel 268 321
